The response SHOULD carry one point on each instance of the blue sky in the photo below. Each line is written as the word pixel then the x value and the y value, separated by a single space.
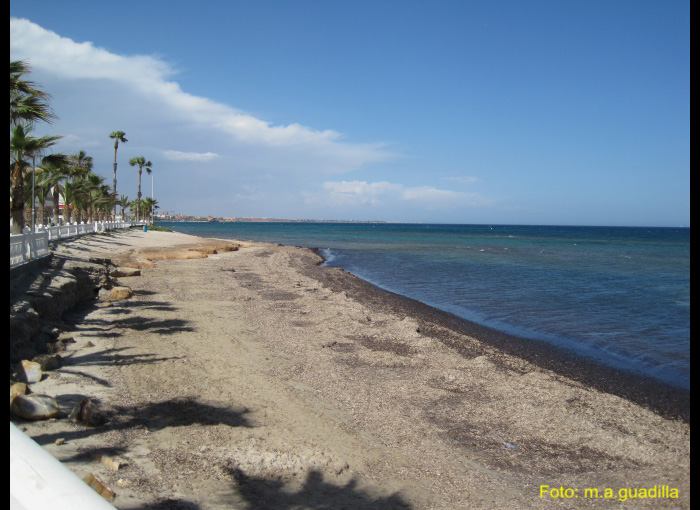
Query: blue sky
pixel 524 112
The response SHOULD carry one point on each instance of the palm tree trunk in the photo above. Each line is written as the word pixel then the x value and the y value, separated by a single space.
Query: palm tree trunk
pixel 138 199
pixel 55 205
pixel 17 206
pixel 114 182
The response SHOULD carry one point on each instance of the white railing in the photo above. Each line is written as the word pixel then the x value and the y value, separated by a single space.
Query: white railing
pixel 34 245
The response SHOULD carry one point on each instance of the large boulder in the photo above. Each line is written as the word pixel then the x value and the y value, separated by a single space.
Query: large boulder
pixel 49 361
pixel 35 407
pixel 29 371
pixel 117 293
pixel 17 389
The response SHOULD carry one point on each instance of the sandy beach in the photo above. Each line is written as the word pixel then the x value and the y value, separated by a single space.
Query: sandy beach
pixel 256 378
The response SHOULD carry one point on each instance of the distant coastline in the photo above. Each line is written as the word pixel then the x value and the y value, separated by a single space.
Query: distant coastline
pixel 238 219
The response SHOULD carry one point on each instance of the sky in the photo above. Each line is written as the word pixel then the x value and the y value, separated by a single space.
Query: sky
pixel 501 112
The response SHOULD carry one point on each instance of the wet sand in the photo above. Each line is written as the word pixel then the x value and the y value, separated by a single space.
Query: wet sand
pixel 257 379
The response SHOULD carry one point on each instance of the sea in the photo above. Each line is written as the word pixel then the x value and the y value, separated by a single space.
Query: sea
pixel 619 296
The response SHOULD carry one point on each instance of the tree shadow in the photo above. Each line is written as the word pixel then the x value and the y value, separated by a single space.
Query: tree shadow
pixel 88 454
pixel 110 357
pixel 36 281
pixel 179 412
pixel 152 416
pixel 160 326
pixel 171 504
pixel 86 241
pixel 103 327
pixel 315 494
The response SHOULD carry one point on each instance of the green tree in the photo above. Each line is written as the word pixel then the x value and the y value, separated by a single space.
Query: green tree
pixel 117 136
pixel 24 148
pixel 141 163
pixel 149 205
pixel 124 205
pixel 27 103
pixel 35 183
pixel 55 173
pixel 73 190
pixel 81 164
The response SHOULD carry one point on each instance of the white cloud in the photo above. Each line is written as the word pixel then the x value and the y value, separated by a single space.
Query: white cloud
pixel 301 146
pixel 189 156
pixel 70 59
pixel 344 193
pixel 245 166
pixel 463 179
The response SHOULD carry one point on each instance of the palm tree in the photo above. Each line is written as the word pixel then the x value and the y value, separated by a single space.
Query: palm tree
pixel 103 201
pixel 81 164
pixel 118 136
pixel 55 172
pixel 27 103
pixel 35 183
pixel 92 195
pixel 23 147
pixel 149 205
pixel 133 204
pixel 73 191
pixel 124 205
pixel 142 163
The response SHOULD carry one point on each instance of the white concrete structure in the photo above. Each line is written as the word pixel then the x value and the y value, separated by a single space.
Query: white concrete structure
pixel 39 481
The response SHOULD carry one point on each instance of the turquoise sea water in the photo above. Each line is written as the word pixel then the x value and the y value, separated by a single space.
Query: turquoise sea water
pixel 620 295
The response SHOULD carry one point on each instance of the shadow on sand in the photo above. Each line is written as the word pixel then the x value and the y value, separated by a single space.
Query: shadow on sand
pixel 315 494
pixel 176 412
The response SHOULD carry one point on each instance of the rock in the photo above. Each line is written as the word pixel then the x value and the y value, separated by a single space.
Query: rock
pixel 99 486
pixel 50 331
pixel 87 413
pixel 42 300
pixel 35 407
pixel 125 272
pixel 49 361
pixel 116 293
pixel 55 347
pixel 120 293
pixel 16 390
pixel 29 372
pixel 115 463
pixel 66 338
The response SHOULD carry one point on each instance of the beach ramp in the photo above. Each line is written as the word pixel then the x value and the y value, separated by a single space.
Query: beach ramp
pixel 38 480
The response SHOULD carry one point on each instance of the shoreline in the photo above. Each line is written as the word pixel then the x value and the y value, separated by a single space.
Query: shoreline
pixel 258 379
pixel 570 350
pixel 669 401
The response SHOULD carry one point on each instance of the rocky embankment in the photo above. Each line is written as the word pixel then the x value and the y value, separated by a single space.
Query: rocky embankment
pixel 39 298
